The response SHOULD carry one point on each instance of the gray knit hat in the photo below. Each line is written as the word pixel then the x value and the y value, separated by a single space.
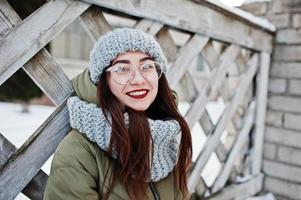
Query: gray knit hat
pixel 119 41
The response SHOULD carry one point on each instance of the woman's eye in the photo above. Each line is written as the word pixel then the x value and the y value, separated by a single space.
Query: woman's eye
pixel 121 69
pixel 148 66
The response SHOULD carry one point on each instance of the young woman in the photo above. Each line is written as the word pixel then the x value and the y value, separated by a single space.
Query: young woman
pixel 129 140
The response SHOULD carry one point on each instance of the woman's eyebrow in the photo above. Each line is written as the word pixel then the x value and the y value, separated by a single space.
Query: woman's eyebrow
pixel 145 58
pixel 124 61
pixel 121 61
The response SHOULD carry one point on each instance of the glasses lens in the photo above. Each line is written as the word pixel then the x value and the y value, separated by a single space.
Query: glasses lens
pixel 159 69
pixel 122 73
pixel 151 70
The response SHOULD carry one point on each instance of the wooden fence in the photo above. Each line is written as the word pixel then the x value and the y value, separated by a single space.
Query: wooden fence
pixel 234 46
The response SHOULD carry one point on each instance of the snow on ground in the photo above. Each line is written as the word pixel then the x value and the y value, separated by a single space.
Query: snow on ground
pixel 17 127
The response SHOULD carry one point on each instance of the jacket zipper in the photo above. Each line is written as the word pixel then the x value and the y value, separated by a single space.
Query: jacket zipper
pixel 154 191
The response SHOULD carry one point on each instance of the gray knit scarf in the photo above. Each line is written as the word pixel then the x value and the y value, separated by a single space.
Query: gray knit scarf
pixel 90 120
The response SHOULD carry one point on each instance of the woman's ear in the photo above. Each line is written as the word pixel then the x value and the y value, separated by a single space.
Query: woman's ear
pixel 175 96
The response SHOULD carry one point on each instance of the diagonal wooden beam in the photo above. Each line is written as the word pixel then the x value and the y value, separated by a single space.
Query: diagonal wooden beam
pixel 214 139
pixel 24 41
pixel 94 22
pixel 210 88
pixel 35 188
pixel 241 62
pixel 188 87
pixel 189 90
pixel 168 45
pixel 192 48
pixel 236 149
pixel 49 76
pixel 8 18
pixel 210 55
pixel 241 190
pixel 149 26
pixel 7 149
pixel 144 24
pixel 201 188
pixel 42 68
pixel 33 153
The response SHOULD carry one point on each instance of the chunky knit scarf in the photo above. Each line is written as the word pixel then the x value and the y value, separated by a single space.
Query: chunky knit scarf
pixel 90 120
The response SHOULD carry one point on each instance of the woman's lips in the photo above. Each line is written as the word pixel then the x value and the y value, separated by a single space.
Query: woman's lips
pixel 137 94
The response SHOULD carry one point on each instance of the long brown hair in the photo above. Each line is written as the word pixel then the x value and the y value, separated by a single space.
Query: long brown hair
pixel 132 144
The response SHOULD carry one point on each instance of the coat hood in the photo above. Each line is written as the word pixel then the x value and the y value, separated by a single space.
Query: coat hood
pixel 85 88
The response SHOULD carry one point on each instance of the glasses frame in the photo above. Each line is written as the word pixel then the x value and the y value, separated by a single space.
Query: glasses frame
pixel 109 69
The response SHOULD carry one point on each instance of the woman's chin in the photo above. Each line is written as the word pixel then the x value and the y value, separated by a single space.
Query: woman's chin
pixel 139 108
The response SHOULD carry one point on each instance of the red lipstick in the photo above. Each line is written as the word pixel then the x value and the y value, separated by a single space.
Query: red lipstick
pixel 138 94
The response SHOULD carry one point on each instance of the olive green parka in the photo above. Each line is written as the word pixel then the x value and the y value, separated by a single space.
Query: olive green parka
pixel 79 165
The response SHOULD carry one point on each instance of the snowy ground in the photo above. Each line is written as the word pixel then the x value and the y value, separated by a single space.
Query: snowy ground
pixel 17 127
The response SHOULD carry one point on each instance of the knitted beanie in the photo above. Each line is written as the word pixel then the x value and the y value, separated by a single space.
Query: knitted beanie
pixel 119 41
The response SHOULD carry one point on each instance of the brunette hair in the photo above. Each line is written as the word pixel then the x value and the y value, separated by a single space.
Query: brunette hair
pixel 132 144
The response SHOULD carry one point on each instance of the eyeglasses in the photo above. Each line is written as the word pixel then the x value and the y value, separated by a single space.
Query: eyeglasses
pixel 122 73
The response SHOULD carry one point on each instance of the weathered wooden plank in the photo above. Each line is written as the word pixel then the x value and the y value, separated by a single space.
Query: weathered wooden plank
pixel 189 92
pixel 210 88
pixel 7 149
pixel 94 22
pixel 185 56
pixel 35 188
pixel 7 18
pixel 155 28
pixel 201 188
pixel 193 17
pixel 42 68
pixel 242 190
pixel 236 149
pixel 198 107
pixel 149 26
pixel 241 62
pixel 144 24
pixel 206 123
pixel 15 52
pixel 213 141
pixel 225 91
pixel 188 87
pixel 268 196
pixel 210 55
pixel 208 128
pixel 261 98
pixel 226 59
pixel 230 83
pixel 49 76
pixel 235 124
pixel 33 153
pixel 221 152
pixel 248 98
pixel 168 45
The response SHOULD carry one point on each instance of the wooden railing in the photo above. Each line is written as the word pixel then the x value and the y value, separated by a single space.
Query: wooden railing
pixel 234 46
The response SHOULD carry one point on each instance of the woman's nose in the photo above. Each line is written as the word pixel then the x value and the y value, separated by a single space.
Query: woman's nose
pixel 138 78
